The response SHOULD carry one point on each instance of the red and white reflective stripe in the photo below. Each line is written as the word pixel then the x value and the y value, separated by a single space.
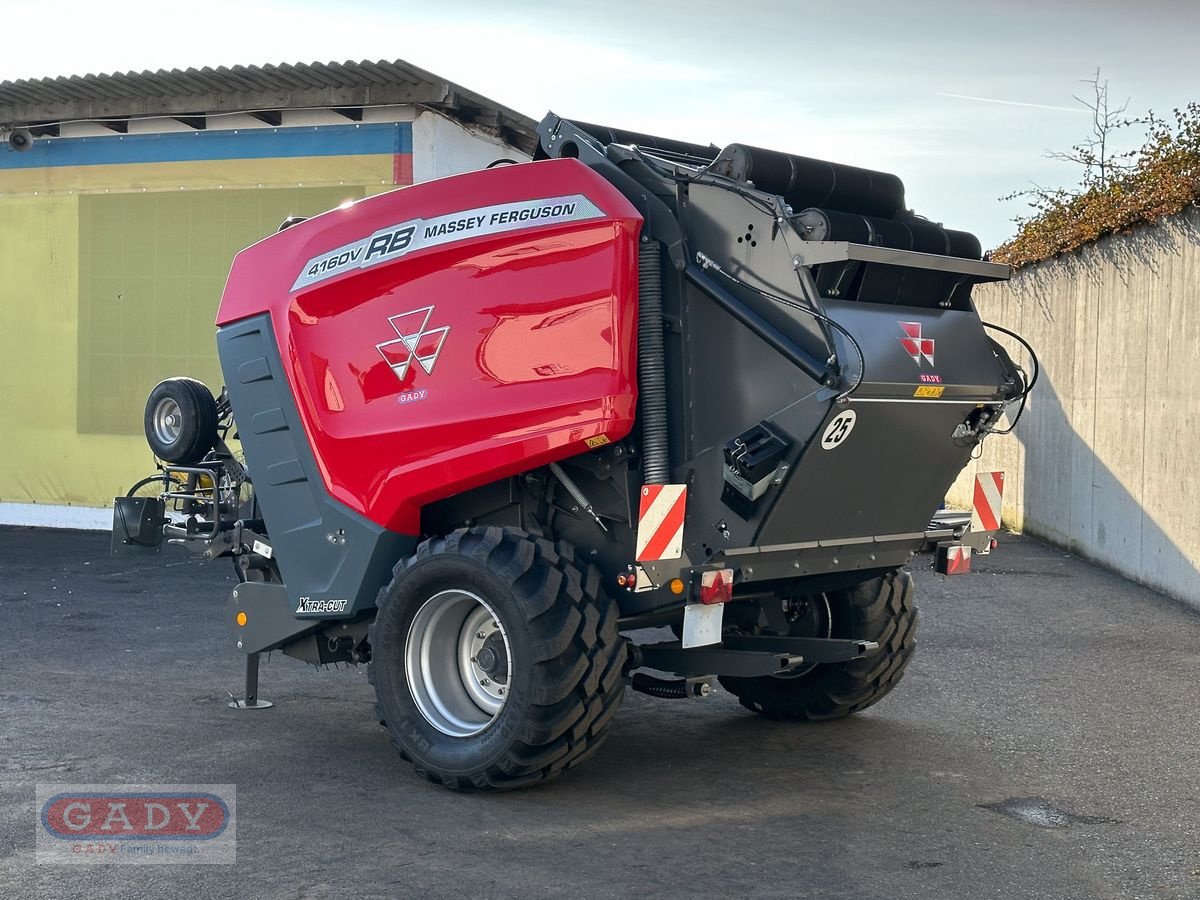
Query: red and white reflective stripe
pixel 989 492
pixel 660 522
pixel 958 560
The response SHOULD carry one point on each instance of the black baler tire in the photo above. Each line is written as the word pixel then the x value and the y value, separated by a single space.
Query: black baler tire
pixel 882 610
pixel 575 662
pixel 198 430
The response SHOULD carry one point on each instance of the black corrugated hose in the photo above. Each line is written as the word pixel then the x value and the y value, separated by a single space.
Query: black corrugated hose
pixel 652 378
pixel 662 688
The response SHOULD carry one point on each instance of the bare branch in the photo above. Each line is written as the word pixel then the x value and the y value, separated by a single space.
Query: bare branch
pixel 1094 154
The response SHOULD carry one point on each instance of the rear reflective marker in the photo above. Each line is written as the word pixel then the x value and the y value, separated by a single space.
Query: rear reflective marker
pixel 953 559
pixel 660 522
pixel 989 492
pixel 716 586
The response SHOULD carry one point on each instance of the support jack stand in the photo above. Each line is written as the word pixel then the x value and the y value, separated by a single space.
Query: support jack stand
pixel 251 701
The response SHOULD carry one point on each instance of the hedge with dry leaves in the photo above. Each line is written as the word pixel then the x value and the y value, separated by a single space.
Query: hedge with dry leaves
pixel 1164 180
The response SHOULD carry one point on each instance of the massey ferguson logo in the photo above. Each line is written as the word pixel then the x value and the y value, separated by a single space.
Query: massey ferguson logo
pixel 399 240
pixel 417 342
pixel 914 345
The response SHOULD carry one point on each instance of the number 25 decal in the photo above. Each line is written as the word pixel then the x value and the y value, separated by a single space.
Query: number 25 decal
pixel 839 429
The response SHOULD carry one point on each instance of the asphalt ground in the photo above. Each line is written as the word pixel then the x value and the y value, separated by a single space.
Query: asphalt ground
pixel 1044 743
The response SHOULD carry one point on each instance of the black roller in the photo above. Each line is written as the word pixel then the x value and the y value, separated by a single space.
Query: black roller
pixel 904 233
pixel 882 283
pixel 890 233
pixel 963 244
pixel 928 237
pixel 805 182
pixel 834 225
pixel 831 225
pixel 606 135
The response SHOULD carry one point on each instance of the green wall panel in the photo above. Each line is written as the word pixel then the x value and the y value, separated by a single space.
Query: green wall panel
pixel 151 270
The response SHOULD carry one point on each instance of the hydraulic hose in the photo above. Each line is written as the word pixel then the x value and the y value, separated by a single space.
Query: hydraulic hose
pixel 664 689
pixel 670 688
pixel 652 376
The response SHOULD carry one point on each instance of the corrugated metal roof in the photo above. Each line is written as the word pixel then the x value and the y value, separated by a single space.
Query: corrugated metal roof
pixel 197 92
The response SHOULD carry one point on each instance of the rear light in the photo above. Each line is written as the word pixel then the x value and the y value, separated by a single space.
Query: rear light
pixel 716 586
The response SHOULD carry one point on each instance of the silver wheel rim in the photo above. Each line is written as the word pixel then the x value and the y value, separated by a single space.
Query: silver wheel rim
pixel 167 420
pixel 458 663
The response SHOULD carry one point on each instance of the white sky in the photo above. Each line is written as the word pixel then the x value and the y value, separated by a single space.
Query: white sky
pixel 904 87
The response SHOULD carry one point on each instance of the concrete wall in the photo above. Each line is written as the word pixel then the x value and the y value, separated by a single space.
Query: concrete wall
pixel 1103 462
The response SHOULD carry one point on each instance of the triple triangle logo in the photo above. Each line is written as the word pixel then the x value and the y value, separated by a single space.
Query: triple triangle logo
pixel 914 345
pixel 417 342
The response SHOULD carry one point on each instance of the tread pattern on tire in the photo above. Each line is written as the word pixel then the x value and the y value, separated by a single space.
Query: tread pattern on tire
pixel 880 610
pixel 199 436
pixel 579 654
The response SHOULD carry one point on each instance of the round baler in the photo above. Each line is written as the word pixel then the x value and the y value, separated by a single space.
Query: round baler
pixel 477 432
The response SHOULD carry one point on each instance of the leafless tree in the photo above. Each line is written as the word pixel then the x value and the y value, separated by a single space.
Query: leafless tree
pixel 1101 164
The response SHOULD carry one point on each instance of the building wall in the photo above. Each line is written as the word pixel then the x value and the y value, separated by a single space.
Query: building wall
pixel 1103 461
pixel 443 147
pixel 113 254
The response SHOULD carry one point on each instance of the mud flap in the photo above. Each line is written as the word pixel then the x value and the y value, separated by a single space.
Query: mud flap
pixel 137 525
